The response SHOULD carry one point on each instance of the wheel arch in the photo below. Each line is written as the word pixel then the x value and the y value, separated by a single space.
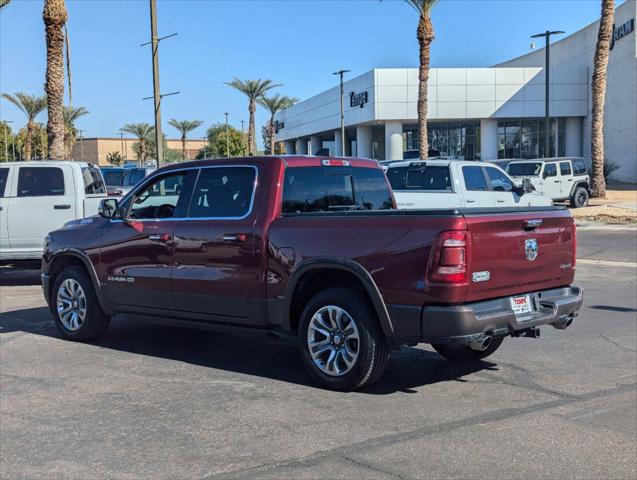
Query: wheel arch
pixel 331 272
pixel 73 257
pixel 581 183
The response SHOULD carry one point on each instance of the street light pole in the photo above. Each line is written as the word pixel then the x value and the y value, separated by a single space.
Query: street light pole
pixel 227 137
pixel 121 140
pixel 547 88
pixel 204 146
pixel 82 144
pixel 340 74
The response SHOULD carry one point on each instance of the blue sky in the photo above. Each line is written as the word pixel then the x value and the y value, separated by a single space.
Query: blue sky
pixel 295 42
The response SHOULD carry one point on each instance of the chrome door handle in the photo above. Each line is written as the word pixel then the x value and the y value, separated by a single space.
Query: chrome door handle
pixel 234 238
pixel 159 237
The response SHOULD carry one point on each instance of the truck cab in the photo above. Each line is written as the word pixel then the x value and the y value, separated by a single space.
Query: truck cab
pixel 438 184
pixel 561 179
pixel 40 196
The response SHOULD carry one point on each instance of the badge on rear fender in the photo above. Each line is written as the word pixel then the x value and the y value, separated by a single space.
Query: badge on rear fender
pixel 481 276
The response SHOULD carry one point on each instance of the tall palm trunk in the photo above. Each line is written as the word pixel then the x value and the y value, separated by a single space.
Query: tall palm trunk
pixel 272 139
pixel 251 137
pixel 28 143
pixel 425 35
pixel 55 17
pixel 183 148
pixel 598 90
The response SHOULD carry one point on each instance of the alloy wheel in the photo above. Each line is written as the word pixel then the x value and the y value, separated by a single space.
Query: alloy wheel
pixel 71 304
pixel 333 340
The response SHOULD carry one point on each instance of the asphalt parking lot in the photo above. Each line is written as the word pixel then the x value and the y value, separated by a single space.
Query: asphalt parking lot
pixel 161 402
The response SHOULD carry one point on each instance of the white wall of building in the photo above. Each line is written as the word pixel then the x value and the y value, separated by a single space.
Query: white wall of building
pixel 620 121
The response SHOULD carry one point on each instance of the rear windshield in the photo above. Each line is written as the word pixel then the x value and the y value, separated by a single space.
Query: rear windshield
pixel 329 189
pixel 431 178
pixel 524 169
pixel 113 178
pixel 93 181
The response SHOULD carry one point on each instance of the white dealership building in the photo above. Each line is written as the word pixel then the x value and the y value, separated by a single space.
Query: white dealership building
pixel 483 113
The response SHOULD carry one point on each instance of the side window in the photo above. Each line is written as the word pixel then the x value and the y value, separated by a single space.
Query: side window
pixel 499 181
pixel 579 167
pixel 40 181
pixel 474 179
pixel 318 189
pixel 93 182
pixel 166 197
pixel 565 168
pixel 223 192
pixel 550 170
pixel 4 173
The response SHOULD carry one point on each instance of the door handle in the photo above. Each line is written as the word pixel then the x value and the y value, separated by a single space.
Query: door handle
pixel 569 180
pixel 470 201
pixel 556 181
pixel 162 237
pixel 500 201
pixel 240 237
pixel 61 207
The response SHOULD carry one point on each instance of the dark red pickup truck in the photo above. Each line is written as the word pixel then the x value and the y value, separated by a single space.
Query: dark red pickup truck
pixel 313 249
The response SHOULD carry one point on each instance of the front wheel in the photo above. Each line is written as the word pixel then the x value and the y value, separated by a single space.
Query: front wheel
pixel 76 311
pixel 341 343
pixel 463 353
pixel 579 198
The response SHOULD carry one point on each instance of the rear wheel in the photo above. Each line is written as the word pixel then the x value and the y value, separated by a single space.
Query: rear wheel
pixel 76 311
pixel 579 198
pixel 460 353
pixel 341 343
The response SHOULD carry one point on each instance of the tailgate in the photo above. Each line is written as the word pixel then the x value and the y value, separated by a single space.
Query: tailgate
pixel 514 253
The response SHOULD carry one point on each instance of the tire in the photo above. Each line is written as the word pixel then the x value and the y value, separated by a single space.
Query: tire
pixel 359 332
pixel 579 198
pixel 464 353
pixel 90 321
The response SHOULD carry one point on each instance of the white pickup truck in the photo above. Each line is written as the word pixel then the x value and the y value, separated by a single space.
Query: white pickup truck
pixel 38 197
pixel 441 184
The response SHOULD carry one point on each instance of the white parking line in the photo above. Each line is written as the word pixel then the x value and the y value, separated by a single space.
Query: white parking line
pixel 605 263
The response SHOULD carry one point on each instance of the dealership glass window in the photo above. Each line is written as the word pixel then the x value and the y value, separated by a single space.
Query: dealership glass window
pixel 525 138
pixel 455 139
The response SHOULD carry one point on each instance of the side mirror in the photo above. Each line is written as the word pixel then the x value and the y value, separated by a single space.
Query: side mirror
pixel 108 208
pixel 527 186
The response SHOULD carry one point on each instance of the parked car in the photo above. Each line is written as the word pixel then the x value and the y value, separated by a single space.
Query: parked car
pixel 312 249
pixel 37 197
pixel 561 179
pixel 119 180
pixel 440 184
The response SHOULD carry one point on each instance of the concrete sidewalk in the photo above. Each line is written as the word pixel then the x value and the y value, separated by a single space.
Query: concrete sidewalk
pixel 619 205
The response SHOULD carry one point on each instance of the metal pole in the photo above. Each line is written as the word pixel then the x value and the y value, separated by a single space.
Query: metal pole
pixel 227 137
pixel 340 73
pixel 6 143
pixel 121 139
pixel 156 95
pixel 547 93
pixel 205 140
pixel 82 144
pixel 243 143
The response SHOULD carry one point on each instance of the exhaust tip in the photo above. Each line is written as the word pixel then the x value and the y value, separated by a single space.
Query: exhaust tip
pixel 481 344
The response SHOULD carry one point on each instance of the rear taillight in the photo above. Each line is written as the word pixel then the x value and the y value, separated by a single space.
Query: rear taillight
pixel 450 257
pixel 574 245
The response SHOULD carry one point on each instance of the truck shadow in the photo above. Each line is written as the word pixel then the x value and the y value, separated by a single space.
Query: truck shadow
pixel 20 274
pixel 263 356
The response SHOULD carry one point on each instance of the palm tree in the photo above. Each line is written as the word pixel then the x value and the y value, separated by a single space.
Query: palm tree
pixel 598 96
pixel 275 104
pixel 32 106
pixel 144 133
pixel 253 89
pixel 425 35
pixel 55 16
pixel 71 114
pixel 184 126
pixel 4 3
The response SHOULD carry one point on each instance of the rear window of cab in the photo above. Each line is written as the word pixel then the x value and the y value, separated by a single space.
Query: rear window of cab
pixel 332 189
